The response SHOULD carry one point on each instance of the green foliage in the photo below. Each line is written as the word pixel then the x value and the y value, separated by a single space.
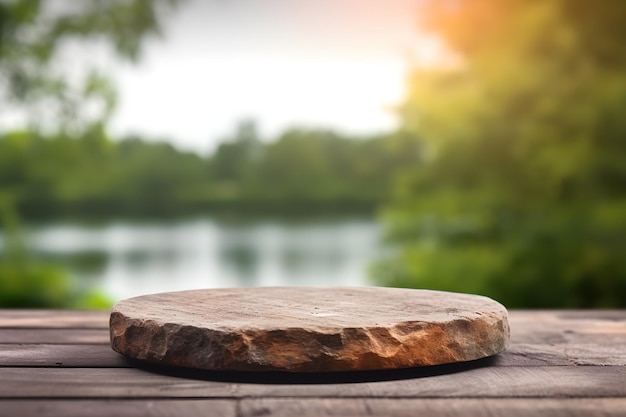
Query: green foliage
pixel 86 175
pixel 33 77
pixel 93 175
pixel 32 285
pixel 27 282
pixel 521 193
pixel 314 167
pixel 41 174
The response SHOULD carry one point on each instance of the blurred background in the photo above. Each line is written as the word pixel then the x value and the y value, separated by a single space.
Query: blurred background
pixel 464 145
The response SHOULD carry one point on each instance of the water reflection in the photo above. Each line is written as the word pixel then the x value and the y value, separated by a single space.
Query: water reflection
pixel 125 259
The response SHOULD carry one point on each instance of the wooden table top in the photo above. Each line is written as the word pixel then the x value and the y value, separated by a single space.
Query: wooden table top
pixel 59 363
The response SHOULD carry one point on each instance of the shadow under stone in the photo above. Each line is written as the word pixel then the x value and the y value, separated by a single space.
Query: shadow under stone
pixel 274 377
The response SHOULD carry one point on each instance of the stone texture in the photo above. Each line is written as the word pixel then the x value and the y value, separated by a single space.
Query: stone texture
pixel 308 329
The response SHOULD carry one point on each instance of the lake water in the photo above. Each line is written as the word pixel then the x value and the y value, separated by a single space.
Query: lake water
pixel 125 259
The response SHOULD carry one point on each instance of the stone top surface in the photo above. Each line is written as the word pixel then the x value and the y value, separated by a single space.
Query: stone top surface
pixel 280 307
pixel 308 329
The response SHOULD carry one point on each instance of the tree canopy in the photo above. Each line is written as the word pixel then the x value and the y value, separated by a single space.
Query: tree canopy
pixel 521 192
pixel 35 85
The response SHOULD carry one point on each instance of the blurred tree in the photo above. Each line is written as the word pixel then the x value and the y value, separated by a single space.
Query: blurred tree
pixel 318 168
pixel 234 159
pixel 154 179
pixel 302 171
pixel 521 192
pixel 33 33
pixel 295 168
pixel 40 172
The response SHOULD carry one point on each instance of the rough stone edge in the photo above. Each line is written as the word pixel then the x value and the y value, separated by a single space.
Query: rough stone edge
pixel 228 352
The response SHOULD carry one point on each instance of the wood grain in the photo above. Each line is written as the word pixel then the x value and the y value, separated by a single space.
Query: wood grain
pixel 559 327
pixel 63 355
pixel 606 407
pixel 511 382
pixel 563 354
pixel 127 408
pixel 58 319
pixel 559 363
pixel 101 355
pixel 536 407
pixel 55 336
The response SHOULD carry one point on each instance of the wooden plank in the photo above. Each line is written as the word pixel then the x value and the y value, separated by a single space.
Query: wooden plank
pixel 558 327
pixel 599 353
pixel 316 407
pixel 542 337
pixel 101 355
pixel 582 314
pixel 536 344
pixel 523 319
pixel 460 407
pixel 526 326
pixel 55 336
pixel 570 315
pixel 84 356
pixel 513 382
pixel 130 408
pixel 519 354
pixel 564 354
pixel 55 319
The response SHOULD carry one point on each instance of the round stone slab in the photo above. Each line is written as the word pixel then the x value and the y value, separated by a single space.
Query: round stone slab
pixel 299 329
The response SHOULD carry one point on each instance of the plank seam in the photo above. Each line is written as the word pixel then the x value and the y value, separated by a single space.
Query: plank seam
pixel 304 398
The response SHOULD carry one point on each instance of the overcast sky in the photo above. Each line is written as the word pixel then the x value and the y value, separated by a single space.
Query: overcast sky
pixel 337 64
